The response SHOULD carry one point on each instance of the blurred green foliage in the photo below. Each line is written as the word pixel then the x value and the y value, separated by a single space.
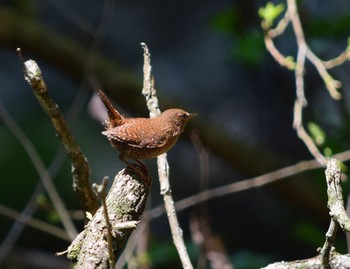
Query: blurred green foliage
pixel 248 43
pixel 317 134
pixel 328 27
pixel 309 233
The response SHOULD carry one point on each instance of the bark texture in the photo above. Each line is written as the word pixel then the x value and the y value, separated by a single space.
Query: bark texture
pixel 125 202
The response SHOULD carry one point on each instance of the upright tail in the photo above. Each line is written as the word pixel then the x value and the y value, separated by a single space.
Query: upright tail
pixel 115 118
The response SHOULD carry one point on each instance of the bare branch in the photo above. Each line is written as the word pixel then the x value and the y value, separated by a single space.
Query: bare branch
pixel 335 196
pixel 304 52
pixel 281 26
pixel 328 245
pixel 270 34
pixel 337 261
pixel 35 223
pixel 246 184
pixel 332 85
pixel 277 55
pixel 342 58
pixel 163 167
pixel 101 192
pixel 80 166
pixel 304 136
pixel 42 172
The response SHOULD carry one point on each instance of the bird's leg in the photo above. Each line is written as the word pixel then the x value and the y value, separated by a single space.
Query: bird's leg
pixel 139 168
pixel 141 165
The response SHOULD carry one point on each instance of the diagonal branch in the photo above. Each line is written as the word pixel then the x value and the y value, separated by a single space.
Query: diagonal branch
pixel 80 166
pixel 42 171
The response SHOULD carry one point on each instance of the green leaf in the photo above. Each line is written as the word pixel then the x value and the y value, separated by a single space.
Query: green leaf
pixel 270 12
pixel 317 134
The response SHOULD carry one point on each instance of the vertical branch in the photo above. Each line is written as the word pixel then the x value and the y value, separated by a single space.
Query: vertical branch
pixel 304 53
pixel 148 90
pixel 338 214
pixel 101 192
pixel 328 244
pixel 163 167
pixel 300 101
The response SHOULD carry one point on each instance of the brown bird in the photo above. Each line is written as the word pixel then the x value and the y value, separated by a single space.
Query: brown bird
pixel 143 138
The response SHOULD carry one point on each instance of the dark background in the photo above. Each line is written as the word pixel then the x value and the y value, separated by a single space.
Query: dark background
pixel 208 57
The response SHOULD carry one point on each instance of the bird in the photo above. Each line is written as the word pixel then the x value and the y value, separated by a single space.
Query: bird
pixel 143 138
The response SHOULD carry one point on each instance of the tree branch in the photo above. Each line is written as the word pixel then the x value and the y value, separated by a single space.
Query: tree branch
pixel 42 172
pixel 336 261
pixel 163 167
pixel 80 166
pixel 328 258
pixel 101 191
pixel 304 53
pixel 335 196
pixel 70 57
pixel 125 203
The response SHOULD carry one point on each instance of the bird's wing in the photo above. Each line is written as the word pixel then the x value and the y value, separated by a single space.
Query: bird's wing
pixel 134 135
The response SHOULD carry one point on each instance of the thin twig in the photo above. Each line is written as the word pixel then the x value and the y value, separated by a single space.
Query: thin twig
pixel 246 184
pixel 339 60
pixel 328 244
pixel 335 200
pixel 304 52
pixel 277 55
pixel 328 258
pixel 101 192
pixel 270 34
pixel 132 243
pixel 80 166
pixel 301 102
pixel 42 172
pixel 125 201
pixel 304 136
pixel 281 26
pixel 28 211
pixel 163 167
pixel 35 223
pixel 32 205
pixel 332 85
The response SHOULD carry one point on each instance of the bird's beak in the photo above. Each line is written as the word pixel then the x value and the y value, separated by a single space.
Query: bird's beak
pixel 191 115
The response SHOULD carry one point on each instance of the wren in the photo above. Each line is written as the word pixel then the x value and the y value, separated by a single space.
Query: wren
pixel 143 138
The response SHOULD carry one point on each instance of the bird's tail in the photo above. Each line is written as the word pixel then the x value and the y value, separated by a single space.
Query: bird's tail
pixel 115 118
